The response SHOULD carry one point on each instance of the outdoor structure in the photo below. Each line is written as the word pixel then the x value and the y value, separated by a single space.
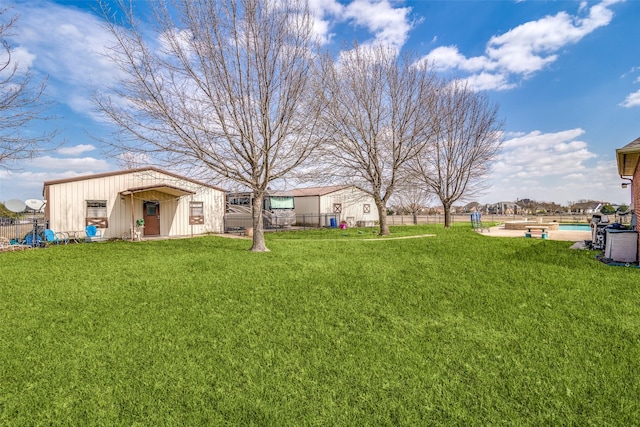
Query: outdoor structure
pixel 348 203
pixel 134 203
pixel 277 210
pixel 629 169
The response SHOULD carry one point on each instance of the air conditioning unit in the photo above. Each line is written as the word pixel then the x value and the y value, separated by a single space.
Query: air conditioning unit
pixel 621 245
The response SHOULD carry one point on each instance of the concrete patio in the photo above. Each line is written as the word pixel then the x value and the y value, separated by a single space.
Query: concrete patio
pixel 570 236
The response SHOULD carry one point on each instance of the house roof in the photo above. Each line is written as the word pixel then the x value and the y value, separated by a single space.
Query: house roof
pixel 317 191
pixel 628 157
pixel 128 171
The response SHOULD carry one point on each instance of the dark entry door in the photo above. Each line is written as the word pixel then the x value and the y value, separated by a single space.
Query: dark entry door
pixel 151 219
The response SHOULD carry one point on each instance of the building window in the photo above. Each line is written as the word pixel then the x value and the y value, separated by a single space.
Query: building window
pixel 196 213
pixel 366 208
pixel 337 208
pixel 97 213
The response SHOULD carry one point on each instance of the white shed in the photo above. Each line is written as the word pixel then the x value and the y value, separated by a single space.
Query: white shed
pixel 169 204
pixel 342 202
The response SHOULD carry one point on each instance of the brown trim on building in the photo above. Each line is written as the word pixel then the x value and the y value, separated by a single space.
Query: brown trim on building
pixel 98 222
pixel 196 220
pixel 125 172
pixel 162 188
pixel 628 157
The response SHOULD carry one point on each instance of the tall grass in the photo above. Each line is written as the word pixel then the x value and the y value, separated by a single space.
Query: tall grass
pixel 329 328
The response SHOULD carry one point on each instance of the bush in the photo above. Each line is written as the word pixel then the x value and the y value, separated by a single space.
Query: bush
pixel 608 210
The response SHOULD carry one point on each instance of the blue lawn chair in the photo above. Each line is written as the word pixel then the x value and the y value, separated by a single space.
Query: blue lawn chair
pixel 33 241
pixel 52 237
pixel 93 234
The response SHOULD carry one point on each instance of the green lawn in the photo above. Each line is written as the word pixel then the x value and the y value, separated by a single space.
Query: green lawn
pixel 329 328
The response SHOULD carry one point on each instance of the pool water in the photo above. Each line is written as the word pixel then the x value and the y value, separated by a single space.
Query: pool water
pixel 575 227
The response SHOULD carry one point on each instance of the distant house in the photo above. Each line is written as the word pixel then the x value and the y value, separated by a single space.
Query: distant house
pixel 438 210
pixel 472 207
pixel 587 207
pixel 318 205
pixel 503 208
pixel 169 204
pixel 629 168
pixel 594 208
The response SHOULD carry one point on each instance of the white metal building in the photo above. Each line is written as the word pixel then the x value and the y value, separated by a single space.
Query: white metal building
pixel 168 204
pixel 344 202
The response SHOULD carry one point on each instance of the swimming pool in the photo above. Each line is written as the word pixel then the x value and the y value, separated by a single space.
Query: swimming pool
pixel 575 227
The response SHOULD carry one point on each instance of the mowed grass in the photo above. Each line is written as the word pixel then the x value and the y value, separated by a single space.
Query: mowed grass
pixel 329 328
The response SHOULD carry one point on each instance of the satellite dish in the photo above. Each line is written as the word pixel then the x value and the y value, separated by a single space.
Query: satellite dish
pixel 35 204
pixel 15 205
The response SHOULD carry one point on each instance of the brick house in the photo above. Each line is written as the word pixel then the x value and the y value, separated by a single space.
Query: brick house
pixel 629 168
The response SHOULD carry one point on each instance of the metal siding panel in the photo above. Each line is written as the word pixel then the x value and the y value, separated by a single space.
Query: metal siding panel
pixel 306 205
pixel 326 204
pixel 214 205
pixel 352 200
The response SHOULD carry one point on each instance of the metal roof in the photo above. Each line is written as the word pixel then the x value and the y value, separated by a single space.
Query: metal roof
pixel 317 191
pixel 128 171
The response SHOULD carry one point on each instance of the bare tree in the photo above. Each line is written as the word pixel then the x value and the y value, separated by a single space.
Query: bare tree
pixel 22 103
pixel 227 88
pixel 377 115
pixel 467 137
pixel 412 199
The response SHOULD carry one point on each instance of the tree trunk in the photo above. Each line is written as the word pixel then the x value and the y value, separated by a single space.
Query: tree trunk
pixel 447 215
pixel 382 216
pixel 258 230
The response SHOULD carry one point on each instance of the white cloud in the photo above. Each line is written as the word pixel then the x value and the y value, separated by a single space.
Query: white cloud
pixel 76 164
pixel 326 7
pixel 525 49
pixel 633 70
pixel 632 100
pixel 23 185
pixel 445 57
pixel 553 167
pixel 542 140
pixel 488 81
pixel 76 149
pixel 21 58
pixel 322 30
pixel 324 13
pixel 28 184
pixel 390 25
pixel 68 45
pixel 583 5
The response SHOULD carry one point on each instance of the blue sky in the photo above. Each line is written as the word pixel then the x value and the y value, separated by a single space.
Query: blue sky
pixel 566 75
